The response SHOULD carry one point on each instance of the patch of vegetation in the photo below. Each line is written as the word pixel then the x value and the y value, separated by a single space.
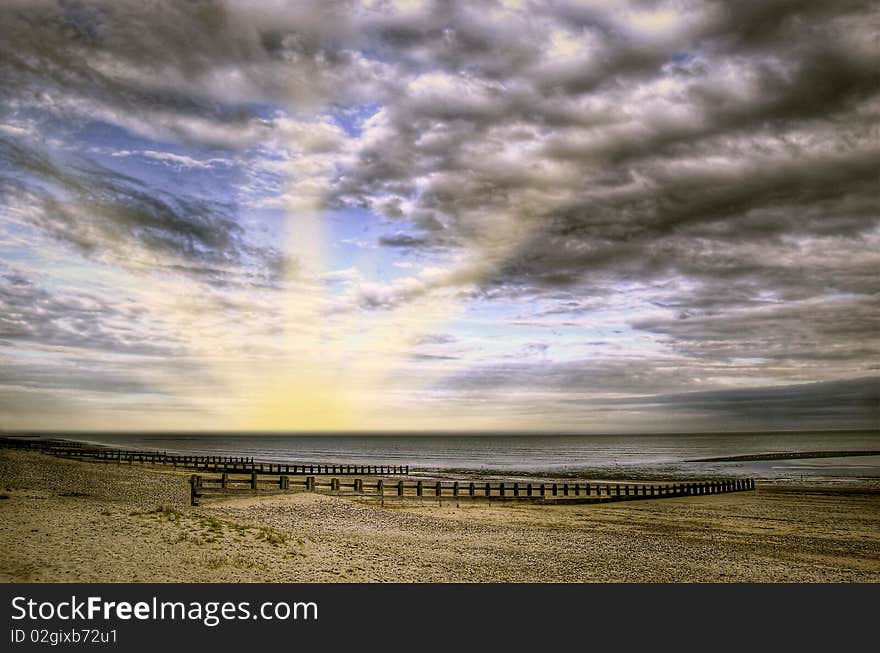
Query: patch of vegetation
pixel 213 524
pixel 200 529
pixel 272 537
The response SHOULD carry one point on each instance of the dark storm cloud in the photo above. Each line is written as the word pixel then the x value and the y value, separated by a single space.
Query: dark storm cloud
pixel 31 314
pixel 191 71
pixel 793 80
pixel 579 377
pixel 57 377
pixel 402 240
pixel 732 161
pixel 596 387
pixel 177 72
pixel 106 215
pixel 851 403
pixel 797 332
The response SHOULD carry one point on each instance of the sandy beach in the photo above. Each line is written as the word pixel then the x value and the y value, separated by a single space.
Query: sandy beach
pixel 65 521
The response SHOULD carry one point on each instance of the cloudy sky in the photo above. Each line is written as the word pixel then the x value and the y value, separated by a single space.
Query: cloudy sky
pixel 400 214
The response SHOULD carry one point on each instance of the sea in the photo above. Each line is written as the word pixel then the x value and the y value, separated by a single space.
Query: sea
pixel 535 456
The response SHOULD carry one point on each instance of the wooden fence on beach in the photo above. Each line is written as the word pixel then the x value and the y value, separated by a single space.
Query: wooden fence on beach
pixel 239 474
pixel 557 492
pixel 216 464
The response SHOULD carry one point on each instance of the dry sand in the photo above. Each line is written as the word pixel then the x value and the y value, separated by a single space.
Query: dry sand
pixel 64 520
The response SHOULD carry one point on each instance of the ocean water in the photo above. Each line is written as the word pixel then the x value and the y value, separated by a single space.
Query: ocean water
pixel 591 457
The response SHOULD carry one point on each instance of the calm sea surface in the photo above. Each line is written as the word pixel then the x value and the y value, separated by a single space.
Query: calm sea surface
pixel 585 456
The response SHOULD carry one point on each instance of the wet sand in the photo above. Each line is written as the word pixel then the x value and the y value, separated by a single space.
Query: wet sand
pixel 65 520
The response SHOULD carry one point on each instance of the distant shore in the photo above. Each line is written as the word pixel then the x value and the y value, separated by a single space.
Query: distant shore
pixel 784 455
pixel 75 521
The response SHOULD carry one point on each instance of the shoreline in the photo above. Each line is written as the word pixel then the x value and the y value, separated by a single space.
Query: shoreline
pixel 659 472
pixel 74 521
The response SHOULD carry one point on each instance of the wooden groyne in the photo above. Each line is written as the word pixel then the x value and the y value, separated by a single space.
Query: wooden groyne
pixel 216 464
pixel 580 492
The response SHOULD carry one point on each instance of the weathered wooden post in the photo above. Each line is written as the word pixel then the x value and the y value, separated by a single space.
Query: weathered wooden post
pixel 455 489
pixel 617 490
pixel 501 489
pixel 380 487
pixel 543 490
pixel 488 489
pixel 565 489
pixel 472 488
pixel 438 489
pixel 224 480
pixel 516 489
pixel 419 489
pixel 334 484
pixel 529 490
pixel 195 483
pixel 359 485
pixel 400 488
pixel 553 489
pixel 310 483
pixel 587 490
pixel 253 480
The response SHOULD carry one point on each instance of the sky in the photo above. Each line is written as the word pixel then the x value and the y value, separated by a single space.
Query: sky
pixel 572 216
